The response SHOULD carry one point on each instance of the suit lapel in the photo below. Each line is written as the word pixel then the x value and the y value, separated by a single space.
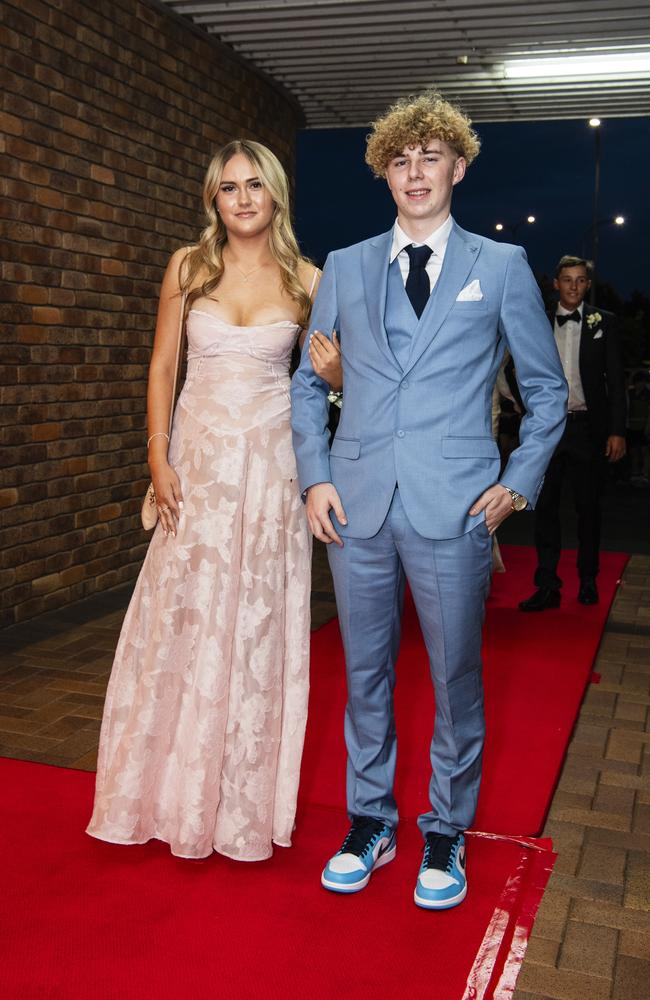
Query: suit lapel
pixel 460 257
pixel 375 259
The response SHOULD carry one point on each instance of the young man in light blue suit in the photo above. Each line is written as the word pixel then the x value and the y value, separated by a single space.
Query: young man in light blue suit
pixel 409 490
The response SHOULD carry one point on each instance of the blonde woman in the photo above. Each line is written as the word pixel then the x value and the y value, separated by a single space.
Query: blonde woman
pixel 205 712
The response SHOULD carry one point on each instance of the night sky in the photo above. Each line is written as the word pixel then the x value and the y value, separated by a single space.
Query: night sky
pixel 541 168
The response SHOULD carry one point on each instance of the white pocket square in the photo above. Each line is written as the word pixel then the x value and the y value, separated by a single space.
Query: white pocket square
pixel 598 334
pixel 471 292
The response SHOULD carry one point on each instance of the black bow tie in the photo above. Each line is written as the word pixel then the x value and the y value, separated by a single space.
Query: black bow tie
pixel 563 318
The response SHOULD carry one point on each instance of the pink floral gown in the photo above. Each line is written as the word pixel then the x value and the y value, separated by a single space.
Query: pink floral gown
pixel 206 706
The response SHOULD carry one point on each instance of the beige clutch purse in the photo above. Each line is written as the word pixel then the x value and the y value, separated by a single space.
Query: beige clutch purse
pixel 149 512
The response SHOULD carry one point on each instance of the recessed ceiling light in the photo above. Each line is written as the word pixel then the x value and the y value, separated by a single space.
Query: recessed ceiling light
pixel 591 65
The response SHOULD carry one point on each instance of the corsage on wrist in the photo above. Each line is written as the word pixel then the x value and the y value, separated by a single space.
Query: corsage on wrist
pixel 335 397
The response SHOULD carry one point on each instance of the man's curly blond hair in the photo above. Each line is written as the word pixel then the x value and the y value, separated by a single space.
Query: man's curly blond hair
pixel 412 121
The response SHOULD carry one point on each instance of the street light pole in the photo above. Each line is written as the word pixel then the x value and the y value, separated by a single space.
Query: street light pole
pixel 618 220
pixel 521 222
pixel 595 124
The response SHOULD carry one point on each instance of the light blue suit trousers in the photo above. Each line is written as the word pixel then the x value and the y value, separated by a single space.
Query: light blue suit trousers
pixel 449 579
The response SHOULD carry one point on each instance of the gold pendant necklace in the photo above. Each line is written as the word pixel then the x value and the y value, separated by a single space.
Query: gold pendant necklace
pixel 246 275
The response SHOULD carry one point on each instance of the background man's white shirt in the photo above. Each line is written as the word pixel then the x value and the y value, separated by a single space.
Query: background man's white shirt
pixel 567 338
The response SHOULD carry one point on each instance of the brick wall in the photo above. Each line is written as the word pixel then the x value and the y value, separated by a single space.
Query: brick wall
pixel 109 114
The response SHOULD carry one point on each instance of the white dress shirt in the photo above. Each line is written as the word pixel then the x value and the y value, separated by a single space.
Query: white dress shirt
pixel 567 338
pixel 437 241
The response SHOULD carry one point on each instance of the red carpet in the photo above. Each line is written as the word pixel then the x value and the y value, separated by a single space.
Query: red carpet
pixel 536 668
pixel 86 920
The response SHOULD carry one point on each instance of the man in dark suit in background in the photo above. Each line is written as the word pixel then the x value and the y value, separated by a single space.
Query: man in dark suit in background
pixel 587 339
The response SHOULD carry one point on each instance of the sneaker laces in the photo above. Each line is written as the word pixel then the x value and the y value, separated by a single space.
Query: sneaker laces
pixel 440 851
pixel 363 831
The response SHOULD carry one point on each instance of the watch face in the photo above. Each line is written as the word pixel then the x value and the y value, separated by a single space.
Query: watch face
pixel 520 503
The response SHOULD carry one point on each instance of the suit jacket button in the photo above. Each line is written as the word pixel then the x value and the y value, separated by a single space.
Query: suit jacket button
pixel 400 434
pixel 405 385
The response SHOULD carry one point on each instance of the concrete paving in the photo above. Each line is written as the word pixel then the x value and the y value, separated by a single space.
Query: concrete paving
pixel 591 939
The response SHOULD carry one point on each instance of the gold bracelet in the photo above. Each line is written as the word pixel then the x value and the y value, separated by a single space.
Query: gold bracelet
pixel 157 434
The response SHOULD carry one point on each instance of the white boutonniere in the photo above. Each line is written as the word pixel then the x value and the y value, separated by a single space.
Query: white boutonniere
pixel 336 398
pixel 593 320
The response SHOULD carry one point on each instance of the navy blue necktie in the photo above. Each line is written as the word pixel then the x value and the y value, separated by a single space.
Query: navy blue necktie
pixel 418 286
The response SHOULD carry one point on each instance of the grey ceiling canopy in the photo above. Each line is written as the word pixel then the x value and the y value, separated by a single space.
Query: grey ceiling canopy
pixel 346 60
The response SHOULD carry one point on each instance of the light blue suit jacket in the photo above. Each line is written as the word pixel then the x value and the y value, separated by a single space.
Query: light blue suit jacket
pixel 427 426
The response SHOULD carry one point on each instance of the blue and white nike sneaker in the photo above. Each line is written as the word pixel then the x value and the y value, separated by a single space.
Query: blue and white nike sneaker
pixel 369 845
pixel 442 882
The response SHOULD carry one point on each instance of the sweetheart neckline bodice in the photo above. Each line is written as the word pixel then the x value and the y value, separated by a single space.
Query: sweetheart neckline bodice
pixel 235 326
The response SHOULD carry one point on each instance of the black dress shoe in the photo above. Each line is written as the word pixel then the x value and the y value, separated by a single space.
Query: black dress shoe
pixel 588 593
pixel 542 599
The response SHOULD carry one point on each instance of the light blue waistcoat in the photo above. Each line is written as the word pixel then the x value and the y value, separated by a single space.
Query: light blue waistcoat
pixel 400 319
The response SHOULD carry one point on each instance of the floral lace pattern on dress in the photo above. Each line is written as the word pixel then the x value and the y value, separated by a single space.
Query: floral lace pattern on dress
pixel 207 703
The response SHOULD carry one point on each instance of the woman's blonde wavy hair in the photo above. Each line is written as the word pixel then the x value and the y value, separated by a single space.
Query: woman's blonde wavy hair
pixel 208 253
